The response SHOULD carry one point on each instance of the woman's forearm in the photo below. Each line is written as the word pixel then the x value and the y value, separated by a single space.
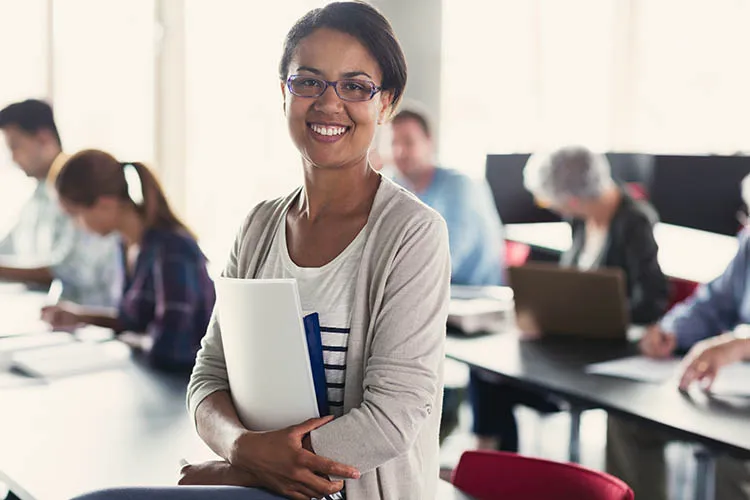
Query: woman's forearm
pixel 99 316
pixel 218 424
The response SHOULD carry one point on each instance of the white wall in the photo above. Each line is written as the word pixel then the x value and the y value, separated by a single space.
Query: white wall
pixel 418 26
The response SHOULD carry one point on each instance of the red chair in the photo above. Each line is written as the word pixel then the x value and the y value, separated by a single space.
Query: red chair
pixel 636 190
pixel 680 290
pixel 516 254
pixel 494 475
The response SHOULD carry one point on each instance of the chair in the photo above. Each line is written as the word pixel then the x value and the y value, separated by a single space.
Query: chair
pixel 491 475
pixel 516 253
pixel 679 290
pixel 636 190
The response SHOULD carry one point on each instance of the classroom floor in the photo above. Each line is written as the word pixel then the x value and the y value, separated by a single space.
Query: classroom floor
pixel 547 437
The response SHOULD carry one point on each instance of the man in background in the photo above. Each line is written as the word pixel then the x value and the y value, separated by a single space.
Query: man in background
pixel 474 226
pixel 475 231
pixel 44 245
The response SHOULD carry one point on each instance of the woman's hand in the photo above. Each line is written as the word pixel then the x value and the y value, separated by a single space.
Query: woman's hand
pixel 656 343
pixel 215 473
pixel 62 316
pixel 706 358
pixel 282 464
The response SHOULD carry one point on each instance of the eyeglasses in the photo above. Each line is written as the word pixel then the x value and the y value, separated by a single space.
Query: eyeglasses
pixel 348 90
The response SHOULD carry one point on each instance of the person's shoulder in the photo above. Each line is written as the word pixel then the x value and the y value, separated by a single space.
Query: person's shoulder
pixel 177 242
pixel 640 212
pixel 454 177
pixel 264 212
pixel 400 207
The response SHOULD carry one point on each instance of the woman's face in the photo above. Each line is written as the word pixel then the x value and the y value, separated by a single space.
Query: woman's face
pixel 100 218
pixel 329 132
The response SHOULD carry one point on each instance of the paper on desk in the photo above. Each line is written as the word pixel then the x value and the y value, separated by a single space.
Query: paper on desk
pixel 733 380
pixel 638 368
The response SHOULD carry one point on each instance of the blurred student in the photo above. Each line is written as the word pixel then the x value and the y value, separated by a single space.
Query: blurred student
pixel 474 227
pixel 44 244
pixel 167 294
pixel 609 229
pixel 714 324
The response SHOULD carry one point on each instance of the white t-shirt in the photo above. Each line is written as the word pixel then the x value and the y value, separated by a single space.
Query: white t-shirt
pixel 328 291
pixel 592 248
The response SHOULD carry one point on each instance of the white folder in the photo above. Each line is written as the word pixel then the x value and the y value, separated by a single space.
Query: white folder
pixel 266 352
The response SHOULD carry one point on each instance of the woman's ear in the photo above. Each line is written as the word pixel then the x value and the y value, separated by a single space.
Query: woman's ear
pixel 283 97
pixel 386 98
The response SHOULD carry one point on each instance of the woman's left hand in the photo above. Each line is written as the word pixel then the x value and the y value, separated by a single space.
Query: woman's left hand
pixel 215 473
pixel 706 358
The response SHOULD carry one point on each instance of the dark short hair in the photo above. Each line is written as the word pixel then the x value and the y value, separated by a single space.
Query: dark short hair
pixel 31 116
pixel 409 114
pixel 366 24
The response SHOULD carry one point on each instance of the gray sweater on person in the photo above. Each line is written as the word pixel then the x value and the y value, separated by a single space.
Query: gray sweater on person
pixel 394 380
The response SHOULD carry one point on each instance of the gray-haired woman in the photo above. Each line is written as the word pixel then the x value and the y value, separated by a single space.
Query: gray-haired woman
pixel 609 229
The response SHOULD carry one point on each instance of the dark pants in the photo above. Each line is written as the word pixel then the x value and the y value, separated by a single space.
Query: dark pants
pixel 452 398
pixel 181 493
pixel 492 403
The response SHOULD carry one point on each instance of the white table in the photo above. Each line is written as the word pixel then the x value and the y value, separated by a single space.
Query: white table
pixel 684 253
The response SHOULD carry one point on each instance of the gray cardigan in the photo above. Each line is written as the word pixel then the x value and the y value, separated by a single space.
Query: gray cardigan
pixel 394 380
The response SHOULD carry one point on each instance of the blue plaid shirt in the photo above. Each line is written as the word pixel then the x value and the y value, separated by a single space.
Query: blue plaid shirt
pixel 169 296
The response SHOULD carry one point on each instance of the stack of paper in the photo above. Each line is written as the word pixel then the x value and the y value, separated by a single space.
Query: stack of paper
pixel 71 359
pixel 9 346
pixel 638 368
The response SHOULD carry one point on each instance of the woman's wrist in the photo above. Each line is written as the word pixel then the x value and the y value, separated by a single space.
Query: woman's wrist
pixel 242 440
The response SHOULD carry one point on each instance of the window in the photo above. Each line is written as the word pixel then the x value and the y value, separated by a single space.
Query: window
pixel 238 148
pixel 23 36
pixel 619 76
pixel 103 82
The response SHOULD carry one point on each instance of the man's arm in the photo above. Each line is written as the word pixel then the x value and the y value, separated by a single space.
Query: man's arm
pixel 13 269
pixel 714 307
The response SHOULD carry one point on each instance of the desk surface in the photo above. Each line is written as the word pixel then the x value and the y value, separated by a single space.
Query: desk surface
pixel 684 253
pixel 121 427
pixel 557 367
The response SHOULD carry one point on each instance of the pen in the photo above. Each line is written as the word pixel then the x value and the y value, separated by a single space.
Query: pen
pixel 55 292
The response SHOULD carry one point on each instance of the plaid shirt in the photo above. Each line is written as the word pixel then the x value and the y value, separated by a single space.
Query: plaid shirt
pixel 169 296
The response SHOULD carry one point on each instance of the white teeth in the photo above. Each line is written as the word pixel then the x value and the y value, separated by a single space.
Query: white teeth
pixel 326 130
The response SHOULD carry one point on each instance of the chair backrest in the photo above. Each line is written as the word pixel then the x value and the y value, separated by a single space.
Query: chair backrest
pixel 490 475
pixel 516 254
pixel 680 290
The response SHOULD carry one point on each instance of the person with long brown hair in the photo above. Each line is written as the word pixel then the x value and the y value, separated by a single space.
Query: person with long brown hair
pixel 168 295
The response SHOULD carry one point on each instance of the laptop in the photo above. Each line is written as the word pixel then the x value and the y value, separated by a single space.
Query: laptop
pixel 571 302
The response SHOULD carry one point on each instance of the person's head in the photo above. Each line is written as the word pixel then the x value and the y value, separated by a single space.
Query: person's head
pixel 97 191
pixel 31 135
pixel 352 44
pixel 412 145
pixel 569 180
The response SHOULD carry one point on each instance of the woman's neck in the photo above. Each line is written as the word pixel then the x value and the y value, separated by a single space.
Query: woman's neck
pixel 337 192
pixel 131 227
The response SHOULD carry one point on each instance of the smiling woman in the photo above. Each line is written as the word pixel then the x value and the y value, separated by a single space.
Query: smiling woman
pixel 368 257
